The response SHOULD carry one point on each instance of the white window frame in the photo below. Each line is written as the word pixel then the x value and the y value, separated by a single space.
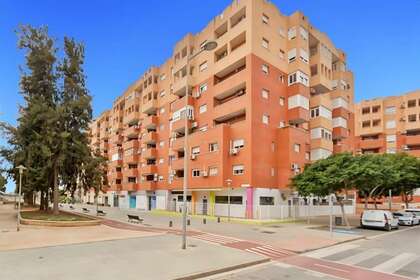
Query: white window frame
pixel 238 143
pixel 238 169
pixel 203 66
pixel 202 109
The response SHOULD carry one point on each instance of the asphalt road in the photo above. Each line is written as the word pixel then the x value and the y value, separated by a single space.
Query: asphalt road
pixel 396 253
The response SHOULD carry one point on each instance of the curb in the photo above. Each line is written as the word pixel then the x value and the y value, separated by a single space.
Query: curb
pixel 331 245
pixel 222 270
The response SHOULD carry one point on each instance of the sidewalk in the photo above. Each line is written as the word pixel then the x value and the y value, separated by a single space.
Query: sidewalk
pixel 297 237
pixel 37 236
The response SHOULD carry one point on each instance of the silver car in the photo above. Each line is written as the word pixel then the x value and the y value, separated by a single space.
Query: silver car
pixel 407 218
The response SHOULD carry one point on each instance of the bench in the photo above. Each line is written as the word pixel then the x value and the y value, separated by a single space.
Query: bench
pixel 134 219
pixel 100 213
pixel 85 210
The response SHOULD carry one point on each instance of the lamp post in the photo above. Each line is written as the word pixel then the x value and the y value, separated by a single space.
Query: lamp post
pixel 21 169
pixel 229 182
pixel 208 46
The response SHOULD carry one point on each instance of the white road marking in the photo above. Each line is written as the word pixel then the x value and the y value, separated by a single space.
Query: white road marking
pixel 395 263
pixel 330 267
pixel 360 257
pixel 322 253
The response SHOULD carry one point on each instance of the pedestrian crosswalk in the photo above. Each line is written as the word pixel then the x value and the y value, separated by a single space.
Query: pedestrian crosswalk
pixel 377 259
pixel 268 251
pixel 215 238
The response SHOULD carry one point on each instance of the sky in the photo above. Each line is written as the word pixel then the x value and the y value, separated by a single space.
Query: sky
pixel 124 38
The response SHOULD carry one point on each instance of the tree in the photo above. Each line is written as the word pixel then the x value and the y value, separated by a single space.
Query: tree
pixel 333 175
pixel 3 182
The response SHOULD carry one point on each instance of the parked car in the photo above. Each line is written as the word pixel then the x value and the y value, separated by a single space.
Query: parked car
pixel 378 219
pixel 413 210
pixel 407 218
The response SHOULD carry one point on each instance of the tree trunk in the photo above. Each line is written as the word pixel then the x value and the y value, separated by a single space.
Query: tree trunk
pixel 366 201
pixel 41 201
pixel 374 202
pixel 55 193
pixel 343 213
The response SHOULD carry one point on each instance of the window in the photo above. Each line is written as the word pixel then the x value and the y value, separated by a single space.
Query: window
pixel 264 43
pixel 238 143
pixel 365 110
pixel 390 124
pixel 411 103
pixel 161 143
pixel 162 77
pixel 195 150
pixel 203 66
pixel 298 100
pixel 281 54
pixel 281 124
pixel 298 77
pixel 282 33
pixel 315 112
pixel 291 34
pixel 281 101
pixel 162 93
pixel 366 124
pixel 224 199
pixel 281 78
pixel 238 169
pixel 265 119
pixel 196 172
pixel 213 171
pixel 203 108
pixel 266 200
pixel 412 118
pixel 339 122
pixel 391 150
pixel 307 155
pixel 161 160
pixel 303 54
pixel 264 93
pixel 213 147
pixel 291 55
pixel 376 109
pixel 203 88
pixel 203 128
pixel 391 138
pixel 303 33
pixel 296 148
pixel 162 110
pixel 273 172
pixel 264 69
pixel 265 19
pixel 390 110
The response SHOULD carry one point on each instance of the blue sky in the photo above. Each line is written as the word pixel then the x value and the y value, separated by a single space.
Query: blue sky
pixel 123 38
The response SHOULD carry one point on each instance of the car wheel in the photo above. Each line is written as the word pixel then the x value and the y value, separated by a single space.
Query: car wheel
pixel 388 227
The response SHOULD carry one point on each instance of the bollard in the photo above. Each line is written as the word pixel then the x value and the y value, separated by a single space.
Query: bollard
pixel 218 219
pixel 188 222
pixel 170 223
pixel 204 221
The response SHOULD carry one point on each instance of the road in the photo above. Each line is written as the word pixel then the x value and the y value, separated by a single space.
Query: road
pixel 394 255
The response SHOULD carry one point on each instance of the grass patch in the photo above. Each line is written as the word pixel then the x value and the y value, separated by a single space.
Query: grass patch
pixel 49 216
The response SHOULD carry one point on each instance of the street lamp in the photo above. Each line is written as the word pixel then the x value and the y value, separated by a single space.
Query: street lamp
pixel 229 182
pixel 21 169
pixel 208 46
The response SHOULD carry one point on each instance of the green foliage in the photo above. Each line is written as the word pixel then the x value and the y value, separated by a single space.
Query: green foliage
pixel 3 182
pixel 51 137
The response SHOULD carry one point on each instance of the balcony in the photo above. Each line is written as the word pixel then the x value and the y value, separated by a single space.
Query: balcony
pixel 148 185
pixel 321 143
pixel 131 172
pixel 226 75
pixel 179 125
pixel 133 158
pixel 341 112
pixel 412 140
pixel 130 186
pixel 180 103
pixel 297 115
pixel 178 164
pixel 149 153
pixel 181 84
pixel 372 144
pixel 149 169
pixel 229 106
pixel 132 144
pixel 178 144
pixel 150 122
pixel 340 133
pixel 117 139
pixel 149 137
pixel 132 117
pixel 150 106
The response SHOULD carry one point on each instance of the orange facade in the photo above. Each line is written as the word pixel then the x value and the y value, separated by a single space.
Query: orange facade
pixel 274 95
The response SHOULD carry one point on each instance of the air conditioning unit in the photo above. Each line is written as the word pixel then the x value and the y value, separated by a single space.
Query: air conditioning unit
pixel 405 148
pixel 234 151
pixel 194 125
pixel 204 173
pixel 193 157
pixel 294 166
pixel 155 177
pixel 173 172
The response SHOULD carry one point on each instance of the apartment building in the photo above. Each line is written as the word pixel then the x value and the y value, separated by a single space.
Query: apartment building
pixel 389 125
pixel 274 95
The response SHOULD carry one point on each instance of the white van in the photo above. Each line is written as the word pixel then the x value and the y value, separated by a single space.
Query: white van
pixel 378 219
